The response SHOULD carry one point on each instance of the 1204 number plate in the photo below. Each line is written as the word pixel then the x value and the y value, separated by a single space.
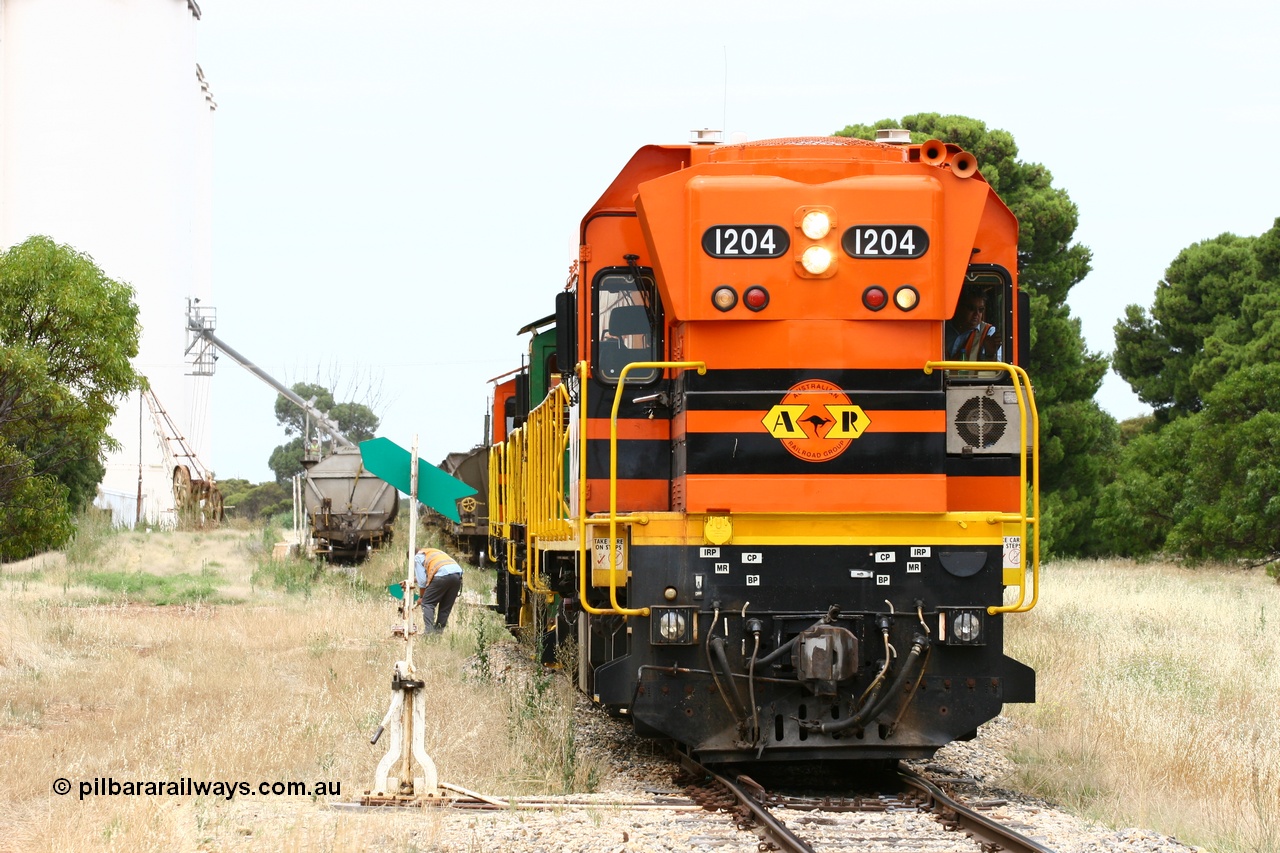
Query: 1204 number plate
pixel 885 241
pixel 746 241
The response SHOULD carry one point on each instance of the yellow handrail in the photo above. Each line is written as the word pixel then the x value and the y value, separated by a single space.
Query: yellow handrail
pixel 582 369
pixel 548 436
pixel 613 470
pixel 496 511
pixel 1026 401
pixel 502 496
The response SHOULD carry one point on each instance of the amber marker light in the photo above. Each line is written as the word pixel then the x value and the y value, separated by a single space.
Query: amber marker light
pixel 906 297
pixel 816 260
pixel 874 297
pixel 724 298
pixel 816 224
pixel 756 298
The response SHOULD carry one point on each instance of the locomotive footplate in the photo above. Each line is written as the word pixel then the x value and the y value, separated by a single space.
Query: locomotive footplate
pixel 716 718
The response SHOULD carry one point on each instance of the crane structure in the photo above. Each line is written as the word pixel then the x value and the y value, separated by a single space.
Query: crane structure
pixel 350 510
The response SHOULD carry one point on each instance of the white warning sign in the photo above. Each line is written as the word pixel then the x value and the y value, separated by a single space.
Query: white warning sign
pixel 600 555
pixel 1013 552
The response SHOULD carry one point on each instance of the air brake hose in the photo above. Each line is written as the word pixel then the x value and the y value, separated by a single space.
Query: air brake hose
pixel 776 653
pixel 716 646
pixel 874 705
pixel 755 627
pixel 911 694
pixel 715 675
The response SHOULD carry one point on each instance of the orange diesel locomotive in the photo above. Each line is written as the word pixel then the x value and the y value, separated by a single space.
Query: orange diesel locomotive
pixel 772 462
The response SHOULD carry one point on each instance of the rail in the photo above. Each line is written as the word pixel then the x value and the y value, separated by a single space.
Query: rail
pixel 774 833
pixel 995 836
pixel 1030 452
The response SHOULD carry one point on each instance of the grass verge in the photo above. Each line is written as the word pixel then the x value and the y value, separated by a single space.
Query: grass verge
pixel 1156 704
pixel 285 684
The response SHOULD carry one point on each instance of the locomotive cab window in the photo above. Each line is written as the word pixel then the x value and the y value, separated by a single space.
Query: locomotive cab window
pixel 626 325
pixel 980 327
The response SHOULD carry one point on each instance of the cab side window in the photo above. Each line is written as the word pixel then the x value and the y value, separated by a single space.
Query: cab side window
pixel 627 325
pixel 979 328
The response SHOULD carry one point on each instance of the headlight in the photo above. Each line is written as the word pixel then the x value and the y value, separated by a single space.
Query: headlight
pixel 816 260
pixel 964 628
pixel 816 224
pixel 671 625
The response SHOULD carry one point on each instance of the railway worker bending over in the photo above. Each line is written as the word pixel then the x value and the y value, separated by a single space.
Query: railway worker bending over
pixel 439 578
pixel 969 336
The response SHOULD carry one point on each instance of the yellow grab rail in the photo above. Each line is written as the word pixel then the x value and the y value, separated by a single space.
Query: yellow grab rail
pixel 701 367
pixel 497 512
pixel 1026 403
pixel 548 436
pixel 582 369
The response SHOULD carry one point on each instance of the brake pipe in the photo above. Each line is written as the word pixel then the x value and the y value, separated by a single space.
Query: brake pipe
pixel 711 665
pixel 876 683
pixel 911 694
pixel 751 684
pixel 872 709
pixel 717 647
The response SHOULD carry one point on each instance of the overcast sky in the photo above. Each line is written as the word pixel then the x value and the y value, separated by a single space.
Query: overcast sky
pixel 398 184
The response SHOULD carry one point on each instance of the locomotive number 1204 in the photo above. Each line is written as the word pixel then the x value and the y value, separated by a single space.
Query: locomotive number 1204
pixel 885 241
pixel 746 241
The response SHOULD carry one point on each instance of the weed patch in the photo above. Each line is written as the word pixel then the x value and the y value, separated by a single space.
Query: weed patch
pixel 92 532
pixel 146 588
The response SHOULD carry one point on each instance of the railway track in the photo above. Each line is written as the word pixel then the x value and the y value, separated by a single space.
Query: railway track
pixel 754 808
pixel 905 812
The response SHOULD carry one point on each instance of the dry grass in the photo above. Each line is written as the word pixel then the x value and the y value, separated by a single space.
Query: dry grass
pixel 1157 698
pixel 278 682
pixel 1157 703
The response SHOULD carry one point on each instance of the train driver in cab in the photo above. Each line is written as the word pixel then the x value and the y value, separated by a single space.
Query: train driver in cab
pixel 969 336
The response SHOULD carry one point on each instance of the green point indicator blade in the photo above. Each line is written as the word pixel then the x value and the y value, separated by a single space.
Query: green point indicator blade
pixel 384 458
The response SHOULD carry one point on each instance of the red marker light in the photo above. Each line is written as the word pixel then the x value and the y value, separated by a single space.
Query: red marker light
pixel 875 297
pixel 756 298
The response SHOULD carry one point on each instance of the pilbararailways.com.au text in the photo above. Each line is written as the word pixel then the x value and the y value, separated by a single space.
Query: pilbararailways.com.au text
pixel 188 787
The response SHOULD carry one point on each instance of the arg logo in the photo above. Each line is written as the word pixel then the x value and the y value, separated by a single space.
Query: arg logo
pixel 815 421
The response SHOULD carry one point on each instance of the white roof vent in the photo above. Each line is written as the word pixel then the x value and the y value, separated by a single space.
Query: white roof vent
pixel 706 136
pixel 893 136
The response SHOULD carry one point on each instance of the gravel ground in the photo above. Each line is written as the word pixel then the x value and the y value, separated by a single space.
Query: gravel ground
pixel 611 821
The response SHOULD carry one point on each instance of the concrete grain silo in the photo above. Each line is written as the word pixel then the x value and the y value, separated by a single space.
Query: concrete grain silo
pixel 106 145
